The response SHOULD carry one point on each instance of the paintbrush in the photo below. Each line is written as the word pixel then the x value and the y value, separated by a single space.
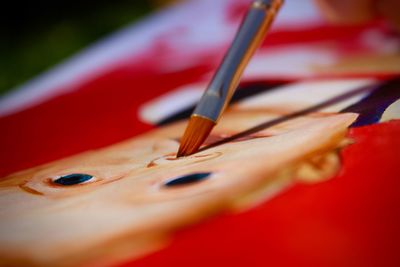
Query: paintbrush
pixel 219 92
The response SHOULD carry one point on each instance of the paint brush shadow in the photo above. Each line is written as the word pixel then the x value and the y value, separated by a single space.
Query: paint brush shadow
pixel 294 115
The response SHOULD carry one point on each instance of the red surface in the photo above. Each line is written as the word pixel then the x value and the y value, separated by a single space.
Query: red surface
pixel 351 220
pixel 99 113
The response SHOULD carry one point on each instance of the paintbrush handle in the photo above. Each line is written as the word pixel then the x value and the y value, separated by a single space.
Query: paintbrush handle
pixel 248 38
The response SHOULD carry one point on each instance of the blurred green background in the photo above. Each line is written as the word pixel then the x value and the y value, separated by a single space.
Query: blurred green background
pixel 36 35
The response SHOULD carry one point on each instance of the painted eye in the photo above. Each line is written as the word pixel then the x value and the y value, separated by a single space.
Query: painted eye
pixel 73 179
pixel 188 179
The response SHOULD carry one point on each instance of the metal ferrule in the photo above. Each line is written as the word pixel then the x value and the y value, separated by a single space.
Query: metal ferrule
pixel 248 38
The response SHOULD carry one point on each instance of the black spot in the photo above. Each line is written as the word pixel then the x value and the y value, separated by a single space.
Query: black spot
pixel 188 179
pixel 73 179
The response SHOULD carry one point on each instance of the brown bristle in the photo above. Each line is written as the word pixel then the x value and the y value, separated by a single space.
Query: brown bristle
pixel 195 134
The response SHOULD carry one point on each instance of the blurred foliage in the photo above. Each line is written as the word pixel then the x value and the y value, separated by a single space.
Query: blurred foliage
pixel 38 35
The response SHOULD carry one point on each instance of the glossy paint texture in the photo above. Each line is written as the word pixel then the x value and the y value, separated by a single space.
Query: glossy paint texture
pixel 350 220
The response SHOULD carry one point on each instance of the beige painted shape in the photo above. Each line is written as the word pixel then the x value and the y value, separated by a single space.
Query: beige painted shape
pixel 126 210
pixel 392 112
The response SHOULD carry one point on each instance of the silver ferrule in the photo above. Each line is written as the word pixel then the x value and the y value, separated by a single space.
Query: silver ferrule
pixel 249 36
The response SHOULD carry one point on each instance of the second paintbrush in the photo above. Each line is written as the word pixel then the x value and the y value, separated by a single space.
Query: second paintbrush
pixel 219 92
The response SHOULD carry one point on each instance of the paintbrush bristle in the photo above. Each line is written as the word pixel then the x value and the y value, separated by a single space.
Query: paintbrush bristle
pixel 195 134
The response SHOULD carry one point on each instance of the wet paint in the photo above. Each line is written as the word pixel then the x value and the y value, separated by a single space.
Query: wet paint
pixel 188 179
pixel 375 103
pixel 73 179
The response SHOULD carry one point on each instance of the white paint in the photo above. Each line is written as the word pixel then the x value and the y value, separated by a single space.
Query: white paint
pixel 208 29
pixel 169 104
pixel 301 95
pixel 295 96
pixel 289 61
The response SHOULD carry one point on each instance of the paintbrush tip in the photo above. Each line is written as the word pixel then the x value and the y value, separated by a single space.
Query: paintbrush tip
pixel 195 134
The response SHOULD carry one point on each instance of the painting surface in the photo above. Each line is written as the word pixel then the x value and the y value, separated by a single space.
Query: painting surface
pixel 299 187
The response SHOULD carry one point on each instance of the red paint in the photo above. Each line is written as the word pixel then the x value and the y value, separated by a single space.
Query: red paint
pixel 348 36
pixel 97 114
pixel 351 220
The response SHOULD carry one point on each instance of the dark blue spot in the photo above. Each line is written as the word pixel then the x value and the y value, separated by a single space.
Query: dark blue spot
pixel 188 179
pixel 371 107
pixel 73 179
